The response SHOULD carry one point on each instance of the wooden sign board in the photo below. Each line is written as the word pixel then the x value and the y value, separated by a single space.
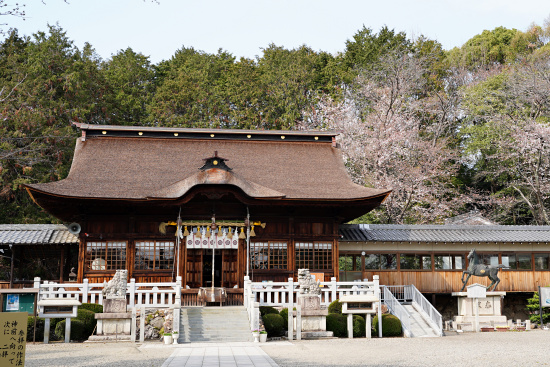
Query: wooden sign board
pixel 319 277
pixel 476 291
pixel 13 338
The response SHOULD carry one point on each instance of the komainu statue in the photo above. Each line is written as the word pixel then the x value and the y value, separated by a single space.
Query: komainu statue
pixel 307 284
pixel 116 287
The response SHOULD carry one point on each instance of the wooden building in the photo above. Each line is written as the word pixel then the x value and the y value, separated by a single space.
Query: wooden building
pixel 433 257
pixel 128 186
pixel 35 250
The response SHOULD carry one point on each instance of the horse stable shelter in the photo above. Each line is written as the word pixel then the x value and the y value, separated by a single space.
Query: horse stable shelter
pixel 277 195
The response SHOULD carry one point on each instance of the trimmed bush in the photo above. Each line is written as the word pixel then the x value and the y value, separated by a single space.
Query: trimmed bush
pixel 284 315
pixel 337 324
pixel 88 318
pixel 78 330
pixel 265 310
pixel 335 307
pixel 92 307
pixel 274 324
pixel 391 325
pixel 39 329
pixel 358 326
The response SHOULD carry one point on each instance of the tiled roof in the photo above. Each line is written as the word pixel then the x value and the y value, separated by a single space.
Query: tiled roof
pixel 35 234
pixel 443 233
pixel 110 167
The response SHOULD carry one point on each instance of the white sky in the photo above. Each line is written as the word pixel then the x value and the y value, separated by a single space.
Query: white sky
pixel 243 27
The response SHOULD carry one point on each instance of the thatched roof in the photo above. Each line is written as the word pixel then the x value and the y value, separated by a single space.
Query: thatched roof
pixel 117 163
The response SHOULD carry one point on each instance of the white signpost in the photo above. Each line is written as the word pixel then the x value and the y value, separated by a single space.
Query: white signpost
pixel 476 291
pixel 544 298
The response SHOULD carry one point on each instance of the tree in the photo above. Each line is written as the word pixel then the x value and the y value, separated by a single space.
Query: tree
pixel 50 84
pixel 507 137
pixel 386 144
pixel 130 77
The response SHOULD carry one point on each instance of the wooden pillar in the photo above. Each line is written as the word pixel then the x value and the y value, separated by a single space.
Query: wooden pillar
pixel 81 258
pixel 61 263
pixel 12 248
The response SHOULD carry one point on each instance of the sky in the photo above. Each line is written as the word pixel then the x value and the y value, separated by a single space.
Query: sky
pixel 244 27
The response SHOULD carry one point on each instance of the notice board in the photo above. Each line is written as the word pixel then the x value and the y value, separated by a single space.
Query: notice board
pixel 13 338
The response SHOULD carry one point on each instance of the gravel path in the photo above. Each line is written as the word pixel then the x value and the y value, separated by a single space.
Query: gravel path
pixel 469 349
pixel 96 354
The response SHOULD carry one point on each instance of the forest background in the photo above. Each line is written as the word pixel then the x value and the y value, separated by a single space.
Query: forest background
pixel 450 131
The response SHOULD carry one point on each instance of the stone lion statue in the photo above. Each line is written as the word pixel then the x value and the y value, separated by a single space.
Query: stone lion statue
pixel 307 284
pixel 116 287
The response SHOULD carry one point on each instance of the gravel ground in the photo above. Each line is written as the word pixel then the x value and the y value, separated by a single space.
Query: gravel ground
pixel 96 354
pixel 469 349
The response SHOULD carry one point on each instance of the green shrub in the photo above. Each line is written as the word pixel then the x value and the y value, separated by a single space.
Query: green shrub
pixel 78 330
pixel 335 307
pixel 337 324
pixel 391 325
pixel 92 307
pixel 358 326
pixel 274 324
pixel 533 308
pixel 284 315
pixel 88 318
pixel 39 329
pixel 265 310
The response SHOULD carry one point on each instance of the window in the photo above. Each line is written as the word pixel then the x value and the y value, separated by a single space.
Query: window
pixel 314 255
pixel 380 262
pixel 109 255
pixel 542 261
pixel 154 255
pixel 415 262
pixel 517 261
pixel 350 262
pixel 448 262
pixel 489 259
pixel 350 267
pixel 269 255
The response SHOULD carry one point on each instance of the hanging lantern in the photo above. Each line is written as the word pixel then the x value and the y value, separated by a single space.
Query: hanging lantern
pixel 185 232
pixel 242 235
pixel 229 234
pixel 252 233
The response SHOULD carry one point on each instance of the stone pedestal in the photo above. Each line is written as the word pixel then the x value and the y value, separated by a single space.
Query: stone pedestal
pixel 489 308
pixel 313 318
pixel 114 323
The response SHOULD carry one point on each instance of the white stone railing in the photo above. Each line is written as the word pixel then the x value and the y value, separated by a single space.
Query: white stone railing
pixel 284 293
pixel 148 294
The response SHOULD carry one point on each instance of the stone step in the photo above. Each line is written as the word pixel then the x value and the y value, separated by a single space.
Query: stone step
pixel 214 324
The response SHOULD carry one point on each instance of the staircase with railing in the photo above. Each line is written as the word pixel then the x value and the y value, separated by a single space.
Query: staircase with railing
pixel 418 316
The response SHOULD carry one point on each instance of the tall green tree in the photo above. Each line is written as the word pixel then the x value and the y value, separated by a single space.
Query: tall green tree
pixel 49 83
pixel 129 76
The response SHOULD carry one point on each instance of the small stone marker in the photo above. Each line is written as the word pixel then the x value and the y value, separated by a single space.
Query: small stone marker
pixel 13 338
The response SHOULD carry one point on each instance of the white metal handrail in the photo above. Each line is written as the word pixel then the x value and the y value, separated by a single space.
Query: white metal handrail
pixel 433 315
pixel 397 309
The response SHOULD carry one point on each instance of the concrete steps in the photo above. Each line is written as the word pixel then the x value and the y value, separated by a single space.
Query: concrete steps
pixel 214 324
pixel 420 327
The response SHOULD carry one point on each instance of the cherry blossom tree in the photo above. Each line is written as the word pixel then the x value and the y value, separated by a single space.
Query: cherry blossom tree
pixel 387 145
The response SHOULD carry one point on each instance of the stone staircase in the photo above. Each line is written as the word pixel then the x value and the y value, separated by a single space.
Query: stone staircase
pixel 420 325
pixel 214 324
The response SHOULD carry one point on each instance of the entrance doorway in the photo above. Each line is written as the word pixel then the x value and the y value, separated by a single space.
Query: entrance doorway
pixel 207 269
pixel 198 271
